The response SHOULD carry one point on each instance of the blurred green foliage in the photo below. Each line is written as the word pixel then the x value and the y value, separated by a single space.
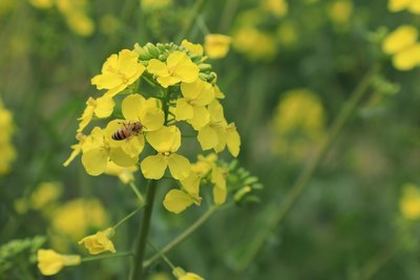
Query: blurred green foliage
pixel 345 226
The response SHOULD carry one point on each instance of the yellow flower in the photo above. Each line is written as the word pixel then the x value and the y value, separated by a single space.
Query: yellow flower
pixel 217 133
pixel 410 202
pixel 45 193
pixel 101 107
pixel 152 5
pixel 255 44
pixel 99 242
pixel 400 5
pixel 166 142
pixel 42 4
pixel 298 124
pixel 192 107
pixel 277 7
pixel 401 38
pixel 75 217
pixel 408 58
pixel 125 174
pixel 136 110
pixel 178 68
pixel 217 45
pixel 7 151
pixel 340 11
pixel 194 49
pixel 180 274
pixel 76 149
pixel 50 262
pixel 80 23
pixel 118 72
pixel 177 201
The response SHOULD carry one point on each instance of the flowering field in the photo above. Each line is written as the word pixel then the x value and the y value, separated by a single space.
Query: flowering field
pixel 194 139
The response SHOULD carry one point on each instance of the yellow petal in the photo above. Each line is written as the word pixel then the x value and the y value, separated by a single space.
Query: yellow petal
pixel 152 118
pixel 177 201
pixel 187 72
pixel 153 167
pixel 104 107
pixel 192 184
pixel 157 67
pixel 408 58
pixel 77 148
pixel 194 49
pixel 133 146
pixel 166 139
pixel 106 81
pixel 95 161
pixel 200 118
pixel 179 166
pixel 118 156
pixel 401 38
pixel 233 140
pixel 183 110
pixel 207 137
pixel 131 107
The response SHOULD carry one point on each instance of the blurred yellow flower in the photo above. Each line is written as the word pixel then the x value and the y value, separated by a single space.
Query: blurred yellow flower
pixel 7 151
pixel 216 45
pixel 298 123
pixel 101 107
pixel 118 72
pixel 403 46
pixel 50 262
pixel 255 44
pixel 287 34
pixel 194 49
pixel 80 24
pixel 166 141
pixel 42 4
pixel 277 7
pixel 401 38
pixel 45 194
pixel 192 107
pixel 412 6
pixel 151 5
pixel 340 11
pixel 180 274
pixel 99 242
pixel 410 202
pixel 178 68
pixel 75 217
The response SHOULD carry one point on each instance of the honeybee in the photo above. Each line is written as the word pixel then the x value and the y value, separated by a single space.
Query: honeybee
pixel 127 130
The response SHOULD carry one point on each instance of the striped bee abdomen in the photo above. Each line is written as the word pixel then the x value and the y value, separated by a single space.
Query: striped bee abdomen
pixel 126 131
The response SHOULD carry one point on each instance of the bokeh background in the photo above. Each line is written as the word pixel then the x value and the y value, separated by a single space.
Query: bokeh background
pixel 290 70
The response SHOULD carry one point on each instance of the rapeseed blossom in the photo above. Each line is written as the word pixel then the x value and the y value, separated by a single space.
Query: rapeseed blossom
pixel 181 274
pixel 412 6
pixel 180 88
pixel 404 47
pixel 7 151
pixel 410 202
pixel 99 242
pixel 216 46
pixel 51 262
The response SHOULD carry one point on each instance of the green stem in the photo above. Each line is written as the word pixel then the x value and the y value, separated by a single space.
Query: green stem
pixel 182 236
pixel 194 12
pixel 137 271
pixel 109 256
pixel 228 14
pixel 127 217
pixel 137 193
pixel 377 262
pixel 163 256
pixel 301 183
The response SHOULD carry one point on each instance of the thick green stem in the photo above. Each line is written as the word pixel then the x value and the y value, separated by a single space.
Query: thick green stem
pixel 137 271
pixel 182 236
pixel 301 183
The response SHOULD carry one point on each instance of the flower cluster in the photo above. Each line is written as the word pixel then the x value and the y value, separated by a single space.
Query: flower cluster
pixel 155 90
pixel 413 6
pixel 404 47
pixel 7 150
